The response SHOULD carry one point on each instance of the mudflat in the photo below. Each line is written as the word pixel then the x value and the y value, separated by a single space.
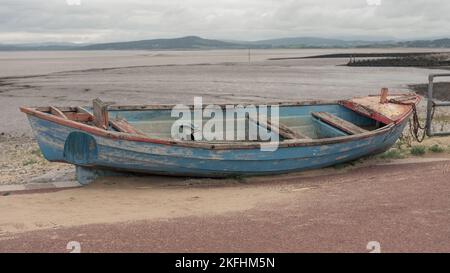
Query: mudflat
pixel 146 77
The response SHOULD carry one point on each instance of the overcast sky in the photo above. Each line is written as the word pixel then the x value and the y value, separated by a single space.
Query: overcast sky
pixel 121 20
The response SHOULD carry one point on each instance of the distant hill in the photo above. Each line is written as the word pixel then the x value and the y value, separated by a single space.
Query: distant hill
pixel 39 46
pixel 189 42
pixel 307 42
pixel 440 43
pixel 198 43
pixel 313 42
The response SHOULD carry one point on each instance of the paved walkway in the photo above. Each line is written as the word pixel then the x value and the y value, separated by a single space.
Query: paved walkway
pixel 403 207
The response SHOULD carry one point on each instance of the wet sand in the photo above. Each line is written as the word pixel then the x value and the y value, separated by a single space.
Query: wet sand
pixel 441 90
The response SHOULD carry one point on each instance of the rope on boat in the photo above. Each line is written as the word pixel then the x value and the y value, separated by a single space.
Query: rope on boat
pixel 414 124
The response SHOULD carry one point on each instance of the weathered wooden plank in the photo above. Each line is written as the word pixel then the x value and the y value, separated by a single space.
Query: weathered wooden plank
pixel 281 129
pixel 116 107
pixel 339 123
pixel 55 111
pixel 81 117
pixel 79 114
pixel 83 110
pixel 123 126
pixel 171 106
pixel 101 118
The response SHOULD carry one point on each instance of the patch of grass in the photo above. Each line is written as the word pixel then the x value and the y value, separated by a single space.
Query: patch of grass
pixel 392 154
pixel 418 150
pixel 341 166
pixel 436 149
pixel 240 179
pixel 29 162
pixel 344 165
pixel 398 145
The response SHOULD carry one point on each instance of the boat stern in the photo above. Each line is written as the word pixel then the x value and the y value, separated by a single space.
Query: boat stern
pixel 383 108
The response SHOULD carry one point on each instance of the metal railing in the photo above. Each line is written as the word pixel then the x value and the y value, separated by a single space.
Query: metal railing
pixel 432 104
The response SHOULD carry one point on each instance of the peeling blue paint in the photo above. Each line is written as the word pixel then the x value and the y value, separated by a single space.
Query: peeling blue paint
pixel 80 148
pixel 61 143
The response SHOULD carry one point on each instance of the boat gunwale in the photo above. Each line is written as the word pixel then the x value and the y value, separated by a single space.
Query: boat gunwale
pixel 38 112
pixel 117 107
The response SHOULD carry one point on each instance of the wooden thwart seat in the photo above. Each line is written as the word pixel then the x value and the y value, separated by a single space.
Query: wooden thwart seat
pixel 55 111
pixel 281 129
pixel 339 123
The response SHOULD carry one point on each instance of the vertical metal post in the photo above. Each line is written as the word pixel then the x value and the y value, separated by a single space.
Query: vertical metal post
pixel 430 104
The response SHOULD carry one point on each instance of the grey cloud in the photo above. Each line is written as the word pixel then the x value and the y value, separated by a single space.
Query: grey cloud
pixel 119 20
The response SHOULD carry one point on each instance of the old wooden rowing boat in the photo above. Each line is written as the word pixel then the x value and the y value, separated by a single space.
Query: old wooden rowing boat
pixel 103 140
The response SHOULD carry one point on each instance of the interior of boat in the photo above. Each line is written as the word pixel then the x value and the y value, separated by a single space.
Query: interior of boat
pixel 308 121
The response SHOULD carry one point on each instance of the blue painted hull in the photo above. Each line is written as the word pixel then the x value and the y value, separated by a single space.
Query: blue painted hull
pixel 57 143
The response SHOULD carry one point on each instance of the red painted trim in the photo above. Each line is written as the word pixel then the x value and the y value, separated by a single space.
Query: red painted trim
pixel 91 129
